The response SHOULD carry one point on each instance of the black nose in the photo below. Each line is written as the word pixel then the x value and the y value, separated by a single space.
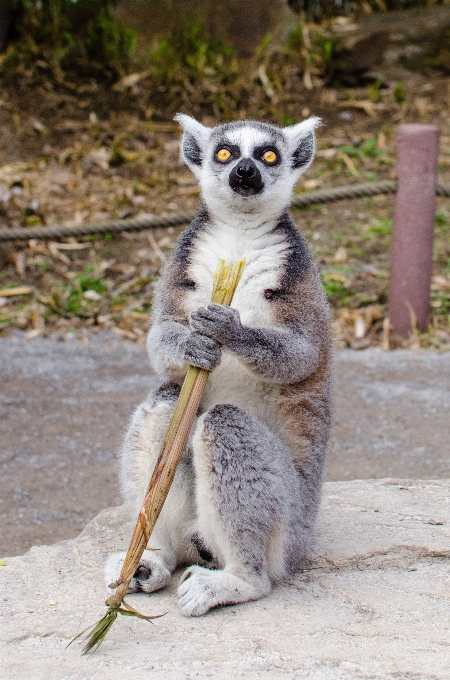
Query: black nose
pixel 245 178
pixel 246 172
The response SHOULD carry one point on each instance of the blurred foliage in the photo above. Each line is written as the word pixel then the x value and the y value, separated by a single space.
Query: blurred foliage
pixel 400 93
pixel 215 58
pixel 189 66
pixel 369 148
pixel 184 43
pixel 189 47
pixel 65 35
pixel 73 299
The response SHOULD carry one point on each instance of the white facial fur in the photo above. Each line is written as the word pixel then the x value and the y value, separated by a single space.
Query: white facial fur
pixel 295 146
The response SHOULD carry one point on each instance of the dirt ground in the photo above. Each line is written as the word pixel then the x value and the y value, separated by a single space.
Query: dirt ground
pixel 91 154
pixel 65 406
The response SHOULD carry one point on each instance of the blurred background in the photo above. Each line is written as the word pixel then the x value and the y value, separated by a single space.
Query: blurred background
pixel 89 89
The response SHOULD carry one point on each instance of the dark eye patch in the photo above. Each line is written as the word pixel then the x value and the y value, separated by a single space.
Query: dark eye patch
pixel 232 148
pixel 259 152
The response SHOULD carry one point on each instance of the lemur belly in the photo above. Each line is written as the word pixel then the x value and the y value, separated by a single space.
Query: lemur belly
pixel 264 252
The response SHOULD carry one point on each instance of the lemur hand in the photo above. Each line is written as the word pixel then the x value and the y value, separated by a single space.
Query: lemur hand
pixel 222 324
pixel 202 351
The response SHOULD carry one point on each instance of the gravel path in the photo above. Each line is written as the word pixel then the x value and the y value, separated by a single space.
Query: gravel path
pixel 64 408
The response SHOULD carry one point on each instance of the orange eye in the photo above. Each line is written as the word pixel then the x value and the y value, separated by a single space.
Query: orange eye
pixel 270 156
pixel 223 154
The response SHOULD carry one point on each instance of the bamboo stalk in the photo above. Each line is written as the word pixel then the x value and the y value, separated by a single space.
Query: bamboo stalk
pixel 226 279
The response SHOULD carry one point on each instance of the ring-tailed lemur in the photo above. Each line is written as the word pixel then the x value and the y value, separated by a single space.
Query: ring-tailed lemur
pixel 242 506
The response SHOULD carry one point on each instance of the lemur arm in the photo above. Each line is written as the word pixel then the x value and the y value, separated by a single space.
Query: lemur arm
pixel 172 348
pixel 287 352
pixel 165 345
pixel 279 355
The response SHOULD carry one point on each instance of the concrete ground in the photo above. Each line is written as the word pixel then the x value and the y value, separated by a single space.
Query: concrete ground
pixel 64 408
pixel 372 603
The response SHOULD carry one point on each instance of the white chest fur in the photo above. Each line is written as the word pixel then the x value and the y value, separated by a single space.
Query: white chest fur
pixel 264 253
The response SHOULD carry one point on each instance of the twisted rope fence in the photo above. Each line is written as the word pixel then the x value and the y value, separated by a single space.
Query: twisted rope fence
pixel 174 219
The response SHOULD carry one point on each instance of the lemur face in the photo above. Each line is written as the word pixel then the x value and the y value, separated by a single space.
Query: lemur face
pixel 247 167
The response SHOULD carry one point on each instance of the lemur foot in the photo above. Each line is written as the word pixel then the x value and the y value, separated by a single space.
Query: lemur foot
pixel 150 575
pixel 202 589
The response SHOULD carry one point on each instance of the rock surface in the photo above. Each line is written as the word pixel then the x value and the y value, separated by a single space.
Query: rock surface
pixel 374 602
pixel 64 407
pixel 403 37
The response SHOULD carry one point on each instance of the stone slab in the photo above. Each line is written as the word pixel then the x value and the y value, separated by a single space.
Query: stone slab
pixel 64 407
pixel 374 602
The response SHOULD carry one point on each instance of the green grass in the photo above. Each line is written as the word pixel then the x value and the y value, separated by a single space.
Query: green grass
pixel 400 93
pixel 73 300
pixel 337 293
pixel 368 149
pixel 442 220
pixel 442 297
pixel 381 227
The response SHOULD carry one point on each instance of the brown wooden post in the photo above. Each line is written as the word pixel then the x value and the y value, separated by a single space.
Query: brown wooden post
pixel 413 230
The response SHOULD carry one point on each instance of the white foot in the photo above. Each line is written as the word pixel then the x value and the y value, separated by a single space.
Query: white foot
pixel 151 574
pixel 202 589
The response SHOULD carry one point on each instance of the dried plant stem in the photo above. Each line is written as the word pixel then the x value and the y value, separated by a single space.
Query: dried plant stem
pixel 226 279
pixel 164 472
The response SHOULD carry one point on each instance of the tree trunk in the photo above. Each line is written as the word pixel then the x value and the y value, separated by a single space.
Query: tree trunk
pixel 4 24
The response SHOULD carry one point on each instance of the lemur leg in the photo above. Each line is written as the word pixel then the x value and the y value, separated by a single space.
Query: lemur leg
pixel 247 488
pixel 174 527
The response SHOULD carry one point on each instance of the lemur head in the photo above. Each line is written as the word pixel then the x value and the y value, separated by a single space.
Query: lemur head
pixel 247 167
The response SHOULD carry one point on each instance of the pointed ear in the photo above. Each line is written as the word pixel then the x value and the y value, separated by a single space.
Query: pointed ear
pixel 195 138
pixel 301 141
